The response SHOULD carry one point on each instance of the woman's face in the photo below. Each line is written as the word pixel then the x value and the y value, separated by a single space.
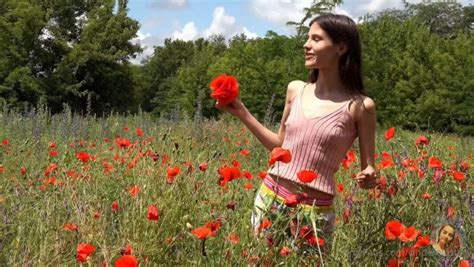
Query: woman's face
pixel 446 234
pixel 320 52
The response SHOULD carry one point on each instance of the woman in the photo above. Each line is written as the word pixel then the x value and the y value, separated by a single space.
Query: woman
pixel 447 242
pixel 320 121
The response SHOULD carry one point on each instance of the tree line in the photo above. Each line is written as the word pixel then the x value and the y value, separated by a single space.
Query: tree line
pixel 417 64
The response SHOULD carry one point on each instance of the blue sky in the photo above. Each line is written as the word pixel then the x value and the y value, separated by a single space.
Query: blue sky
pixel 192 19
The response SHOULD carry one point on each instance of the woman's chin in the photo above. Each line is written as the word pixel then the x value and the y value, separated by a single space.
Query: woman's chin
pixel 311 65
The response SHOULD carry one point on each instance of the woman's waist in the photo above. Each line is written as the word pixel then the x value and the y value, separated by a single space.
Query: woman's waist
pixel 295 188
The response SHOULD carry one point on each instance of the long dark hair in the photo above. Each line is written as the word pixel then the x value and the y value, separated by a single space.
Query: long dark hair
pixel 454 245
pixel 342 29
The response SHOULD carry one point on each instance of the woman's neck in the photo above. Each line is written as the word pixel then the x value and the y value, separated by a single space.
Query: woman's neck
pixel 329 83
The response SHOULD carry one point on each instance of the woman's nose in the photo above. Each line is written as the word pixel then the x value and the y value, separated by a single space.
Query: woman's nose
pixel 306 44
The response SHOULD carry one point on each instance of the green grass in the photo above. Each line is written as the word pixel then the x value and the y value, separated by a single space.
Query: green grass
pixel 32 214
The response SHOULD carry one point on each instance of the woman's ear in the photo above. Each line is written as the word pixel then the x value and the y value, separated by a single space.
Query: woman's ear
pixel 341 49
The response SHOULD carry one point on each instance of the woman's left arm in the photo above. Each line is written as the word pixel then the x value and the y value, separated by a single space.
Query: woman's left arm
pixel 366 124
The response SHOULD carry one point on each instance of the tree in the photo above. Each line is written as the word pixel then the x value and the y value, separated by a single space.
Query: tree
pixel 161 67
pixel 66 52
pixel 317 7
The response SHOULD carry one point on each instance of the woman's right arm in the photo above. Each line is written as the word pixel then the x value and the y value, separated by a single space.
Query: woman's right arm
pixel 268 138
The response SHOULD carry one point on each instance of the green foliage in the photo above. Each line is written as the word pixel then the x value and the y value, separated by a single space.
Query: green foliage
pixel 418 79
pixel 418 63
pixel 67 52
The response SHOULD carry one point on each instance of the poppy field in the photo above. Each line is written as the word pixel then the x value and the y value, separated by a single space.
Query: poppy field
pixel 134 190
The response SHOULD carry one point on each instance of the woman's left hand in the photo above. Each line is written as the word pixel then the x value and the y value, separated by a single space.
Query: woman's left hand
pixel 368 178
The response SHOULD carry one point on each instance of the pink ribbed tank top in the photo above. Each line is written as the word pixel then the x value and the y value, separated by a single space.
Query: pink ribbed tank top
pixel 318 144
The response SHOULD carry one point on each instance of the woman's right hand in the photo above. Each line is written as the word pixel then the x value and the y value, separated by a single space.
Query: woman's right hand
pixel 236 108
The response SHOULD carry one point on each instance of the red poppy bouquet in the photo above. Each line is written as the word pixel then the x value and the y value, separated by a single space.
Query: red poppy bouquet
pixel 225 89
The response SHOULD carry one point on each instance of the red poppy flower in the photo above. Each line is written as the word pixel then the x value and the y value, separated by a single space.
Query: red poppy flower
pixel 279 154
pixel 203 166
pixel 97 215
pixel 464 165
pixel 312 240
pixel 123 142
pixel 171 173
pixel 394 262
pixel 266 223
pixel 291 200
pixel 83 156
pixel 351 155
pixel 422 140
pixel 164 159
pixel 386 163
pixel 233 238
pixel 248 175
pixel 139 132
pixel 346 163
pixel 451 212
pixel 5 142
pixel 70 227
pixel 409 234
pixel 50 169
pixel 153 214
pixel 231 205
pixel 307 233
pixel 390 133
pixel 244 152
pixel 422 241
pixel 458 176
pixel 349 159
pixel 285 251
pixel 127 250
pixel 262 174
pixel 464 263
pixel 115 206
pixel 227 174
pixel 84 250
pixel 340 188
pixel 126 261
pixel 248 186
pixel 426 195
pixel 202 232
pixel 392 190
pixel 307 176
pixel 393 229
pixel 236 163
pixel 107 167
pixel 225 89
pixel 134 190
pixel 383 181
pixel 214 225
pixel 434 162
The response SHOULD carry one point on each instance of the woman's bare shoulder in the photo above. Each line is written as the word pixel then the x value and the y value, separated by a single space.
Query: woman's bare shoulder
pixel 364 102
pixel 293 89
pixel 363 106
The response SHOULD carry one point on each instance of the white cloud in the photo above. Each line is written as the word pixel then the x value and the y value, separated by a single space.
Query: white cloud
pixel 226 25
pixel 222 23
pixel 189 32
pixel 147 43
pixel 359 8
pixel 249 34
pixel 280 12
pixel 172 4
